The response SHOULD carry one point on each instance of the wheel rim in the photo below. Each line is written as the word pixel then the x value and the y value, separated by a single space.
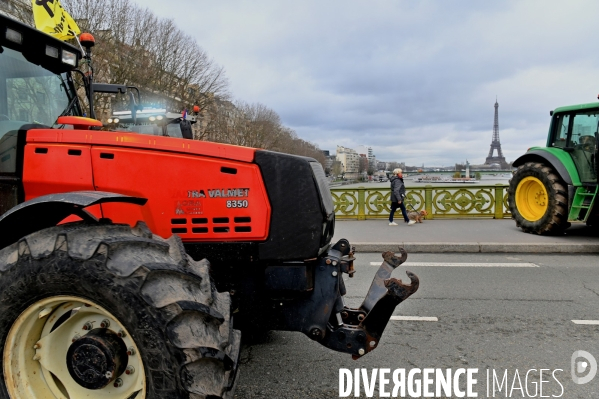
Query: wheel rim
pixel 59 344
pixel 531 198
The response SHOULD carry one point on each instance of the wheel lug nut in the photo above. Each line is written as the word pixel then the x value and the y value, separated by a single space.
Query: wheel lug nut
pixel 105 323
pixel 130 370
pixel 122 334
pixel 88 326
pixel 118 383
pixel 131 351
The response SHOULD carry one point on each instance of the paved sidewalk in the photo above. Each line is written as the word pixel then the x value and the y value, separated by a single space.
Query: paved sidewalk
pixel 463 235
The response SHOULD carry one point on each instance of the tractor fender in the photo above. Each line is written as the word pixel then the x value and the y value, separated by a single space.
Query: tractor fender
pixel 563 165
pixel 49 210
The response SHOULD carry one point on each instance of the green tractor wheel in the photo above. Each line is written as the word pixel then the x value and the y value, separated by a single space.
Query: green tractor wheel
pixel 538 199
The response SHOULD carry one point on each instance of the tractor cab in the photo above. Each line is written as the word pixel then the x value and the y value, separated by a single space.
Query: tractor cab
pixel 574 130
pixel 36 88
pixel 35 83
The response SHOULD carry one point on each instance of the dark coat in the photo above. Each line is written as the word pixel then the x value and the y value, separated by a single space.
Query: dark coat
pixel 398 190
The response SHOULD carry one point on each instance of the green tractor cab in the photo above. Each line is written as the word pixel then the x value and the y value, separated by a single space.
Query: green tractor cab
pixel 556 185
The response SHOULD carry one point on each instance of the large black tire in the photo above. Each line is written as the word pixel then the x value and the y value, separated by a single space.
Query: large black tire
pixel 554 220
pixel 163 298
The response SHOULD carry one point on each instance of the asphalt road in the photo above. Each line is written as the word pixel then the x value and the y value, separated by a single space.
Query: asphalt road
pixel 490 318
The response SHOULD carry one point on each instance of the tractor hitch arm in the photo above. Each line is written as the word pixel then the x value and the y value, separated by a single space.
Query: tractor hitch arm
pixel 320 311
pixel 361 329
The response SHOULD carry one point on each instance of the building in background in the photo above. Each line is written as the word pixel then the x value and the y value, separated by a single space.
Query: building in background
pixel 329 161
pixel 350 162
pixel 367 151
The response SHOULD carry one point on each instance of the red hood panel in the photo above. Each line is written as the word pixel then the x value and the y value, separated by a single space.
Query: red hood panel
pixel 135 140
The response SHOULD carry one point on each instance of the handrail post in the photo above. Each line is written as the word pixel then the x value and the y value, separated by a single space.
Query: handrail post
pixel 361 203
pixel 498 201
pixel 428 201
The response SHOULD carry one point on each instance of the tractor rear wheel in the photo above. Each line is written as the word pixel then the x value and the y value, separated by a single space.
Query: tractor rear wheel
pixel 538 199
pixel 110 311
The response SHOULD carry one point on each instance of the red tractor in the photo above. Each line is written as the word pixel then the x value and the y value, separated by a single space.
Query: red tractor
pixel 105 286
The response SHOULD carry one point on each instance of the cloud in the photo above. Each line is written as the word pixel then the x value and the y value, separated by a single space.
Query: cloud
pixel 415 80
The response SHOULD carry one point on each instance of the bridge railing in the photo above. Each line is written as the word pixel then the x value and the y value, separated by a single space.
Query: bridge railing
pixel 448 201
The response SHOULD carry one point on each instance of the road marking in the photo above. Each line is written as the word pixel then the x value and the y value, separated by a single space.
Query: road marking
pixel 413 318
pixel 459 264
pixel 587 322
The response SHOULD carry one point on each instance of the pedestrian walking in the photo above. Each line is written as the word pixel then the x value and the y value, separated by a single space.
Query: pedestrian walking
pixel 398 193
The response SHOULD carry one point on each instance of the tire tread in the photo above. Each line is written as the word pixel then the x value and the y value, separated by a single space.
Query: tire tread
pixel 159 273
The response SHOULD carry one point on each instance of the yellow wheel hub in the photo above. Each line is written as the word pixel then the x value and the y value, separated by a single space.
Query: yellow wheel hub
pixel 532 200
pixel 36 353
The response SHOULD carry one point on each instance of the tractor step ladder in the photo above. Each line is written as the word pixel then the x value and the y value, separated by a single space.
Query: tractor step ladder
pixel 583 199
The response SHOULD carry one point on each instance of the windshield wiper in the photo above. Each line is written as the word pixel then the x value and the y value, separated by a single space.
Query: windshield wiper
pixel 68 108
pixel 71 102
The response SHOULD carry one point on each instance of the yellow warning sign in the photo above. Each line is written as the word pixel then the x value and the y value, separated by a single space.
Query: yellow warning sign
pixel 51 18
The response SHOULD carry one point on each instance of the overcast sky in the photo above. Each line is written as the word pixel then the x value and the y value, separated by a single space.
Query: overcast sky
pixel 415 80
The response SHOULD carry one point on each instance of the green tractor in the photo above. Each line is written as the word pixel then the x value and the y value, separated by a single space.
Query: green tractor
pixel 557 184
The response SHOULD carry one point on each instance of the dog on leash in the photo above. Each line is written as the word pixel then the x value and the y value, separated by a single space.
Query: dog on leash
pixel 417 216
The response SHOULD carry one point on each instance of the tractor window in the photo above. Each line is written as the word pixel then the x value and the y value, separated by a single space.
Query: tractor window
pixel 151 129
pixel 583 141
pixel 29 93
pixel 174 130
pixel 584 126
pixel 561 131
pixel 8 152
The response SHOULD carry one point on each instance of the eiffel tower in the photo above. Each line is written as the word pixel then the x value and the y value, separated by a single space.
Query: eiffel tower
pixel 495 144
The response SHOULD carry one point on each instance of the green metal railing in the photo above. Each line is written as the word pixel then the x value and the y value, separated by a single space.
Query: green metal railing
pixel 439 201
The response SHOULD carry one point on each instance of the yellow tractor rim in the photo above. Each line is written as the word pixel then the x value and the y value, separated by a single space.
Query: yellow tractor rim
pixel 532 200
pixel 38 364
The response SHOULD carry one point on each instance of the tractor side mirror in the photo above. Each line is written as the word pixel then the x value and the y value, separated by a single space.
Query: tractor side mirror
pixel 109 88
pixel 186 130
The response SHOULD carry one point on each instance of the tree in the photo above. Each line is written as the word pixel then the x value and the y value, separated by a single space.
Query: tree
pixel 363 165
pixel 136 48
pixel 337 168
pixel 254 125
